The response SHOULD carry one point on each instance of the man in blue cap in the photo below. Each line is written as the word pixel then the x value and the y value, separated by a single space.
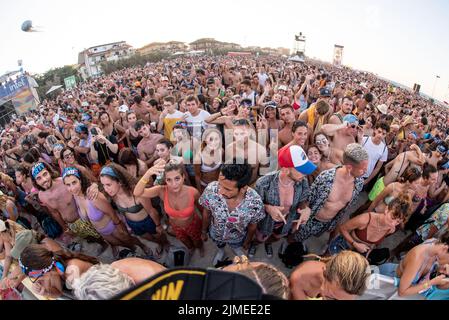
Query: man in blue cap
pixel 85 139
pixel 345 133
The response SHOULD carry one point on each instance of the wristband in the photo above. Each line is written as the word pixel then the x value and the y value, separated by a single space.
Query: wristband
pixel 144 181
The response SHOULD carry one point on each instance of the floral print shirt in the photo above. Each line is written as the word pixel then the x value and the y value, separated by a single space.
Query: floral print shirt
pixel 231 227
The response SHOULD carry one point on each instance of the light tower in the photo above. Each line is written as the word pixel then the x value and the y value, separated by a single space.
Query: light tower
pixel 299 46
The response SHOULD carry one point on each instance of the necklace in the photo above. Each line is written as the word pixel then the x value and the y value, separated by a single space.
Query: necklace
pixel 286 185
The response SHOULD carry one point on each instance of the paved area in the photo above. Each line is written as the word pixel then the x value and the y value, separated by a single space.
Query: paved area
pixel 314 245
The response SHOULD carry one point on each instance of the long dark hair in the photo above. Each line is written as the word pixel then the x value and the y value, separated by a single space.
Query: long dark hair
pixel 52 173
pixel 37 256
pixel 85 182
pixel 127 157
pixel 127 181
pixel 80 160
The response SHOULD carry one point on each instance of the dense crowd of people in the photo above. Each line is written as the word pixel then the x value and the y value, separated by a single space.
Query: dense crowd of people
pixel 240 151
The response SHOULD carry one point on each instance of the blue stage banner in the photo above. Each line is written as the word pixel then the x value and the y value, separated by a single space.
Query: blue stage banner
pixel 12 88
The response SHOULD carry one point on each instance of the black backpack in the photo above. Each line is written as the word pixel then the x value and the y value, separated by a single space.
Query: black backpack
pixel 293 255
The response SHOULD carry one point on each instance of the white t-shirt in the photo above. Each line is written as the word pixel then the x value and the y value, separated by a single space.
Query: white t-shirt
pixel 376 153
pixel 196 125
pixel 262 78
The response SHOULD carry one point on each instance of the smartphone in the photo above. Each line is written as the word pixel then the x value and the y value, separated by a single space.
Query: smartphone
pixel 94 131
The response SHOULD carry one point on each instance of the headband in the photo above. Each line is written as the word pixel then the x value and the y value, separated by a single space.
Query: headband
pixel 36 273
pixel 70 171
pixel 36 169
pixel 108 171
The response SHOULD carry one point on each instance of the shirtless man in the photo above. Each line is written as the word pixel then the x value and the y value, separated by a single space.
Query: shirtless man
pixel 111 104
pixel 396 168
pixel 245 148
pixel 343 134
pixel 140 108
pixel 53 195
pixel 345 109
pixel 287 114
pixel 362 103
pixel 147 146
pixel 333 194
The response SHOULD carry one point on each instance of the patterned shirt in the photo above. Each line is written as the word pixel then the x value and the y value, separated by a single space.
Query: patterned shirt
pixel 268 188
pixel 321 189
pixel 231 227
pixel 438 219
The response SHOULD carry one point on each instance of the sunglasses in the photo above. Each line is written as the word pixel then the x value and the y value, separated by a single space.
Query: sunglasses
pixel 241 122
pixel 321 142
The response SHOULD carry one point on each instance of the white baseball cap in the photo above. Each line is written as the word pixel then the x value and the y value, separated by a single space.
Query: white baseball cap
pixel 123 108
pixel 2 226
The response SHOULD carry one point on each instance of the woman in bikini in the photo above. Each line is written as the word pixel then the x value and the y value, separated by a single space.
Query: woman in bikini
pixel 140 215
pixel 99 212
pixel 424 267
pixel 409 183
pixel 208 162
pixel 368 230
pixel 180 203
pixel 132 136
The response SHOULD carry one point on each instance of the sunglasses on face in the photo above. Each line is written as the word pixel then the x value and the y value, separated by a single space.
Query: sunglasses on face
pixel 240 122
pixel 321 142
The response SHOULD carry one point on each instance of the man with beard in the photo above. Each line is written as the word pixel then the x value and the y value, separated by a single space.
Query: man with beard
pixel 345 109
pixel 287 114
pixel 60 203
pixel 285 195
pixel 235 209
pixel 344 134
pixel 333 194
pixel 147 146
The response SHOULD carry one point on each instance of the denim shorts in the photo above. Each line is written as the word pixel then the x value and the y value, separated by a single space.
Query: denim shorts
pixel 139 228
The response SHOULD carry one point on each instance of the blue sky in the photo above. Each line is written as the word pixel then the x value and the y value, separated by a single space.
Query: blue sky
pixel 406 41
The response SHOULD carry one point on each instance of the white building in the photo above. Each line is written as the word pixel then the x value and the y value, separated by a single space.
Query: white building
pixel 91 58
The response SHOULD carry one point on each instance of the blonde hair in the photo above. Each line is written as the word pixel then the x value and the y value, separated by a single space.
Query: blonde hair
pixel 4 200
pixel 348 269
pixel 101 282
pixel 270 279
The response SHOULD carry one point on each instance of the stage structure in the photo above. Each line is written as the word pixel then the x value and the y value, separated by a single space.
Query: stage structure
pixel 338 55
pixel 299 48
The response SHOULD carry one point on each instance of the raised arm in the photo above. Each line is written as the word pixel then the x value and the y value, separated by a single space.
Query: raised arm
pixel 331 129
pixel 153 192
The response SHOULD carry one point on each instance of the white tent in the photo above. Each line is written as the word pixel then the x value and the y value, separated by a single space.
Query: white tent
pixel 54 88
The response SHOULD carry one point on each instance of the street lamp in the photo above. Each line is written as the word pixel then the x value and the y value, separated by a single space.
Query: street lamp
pixel 434 86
